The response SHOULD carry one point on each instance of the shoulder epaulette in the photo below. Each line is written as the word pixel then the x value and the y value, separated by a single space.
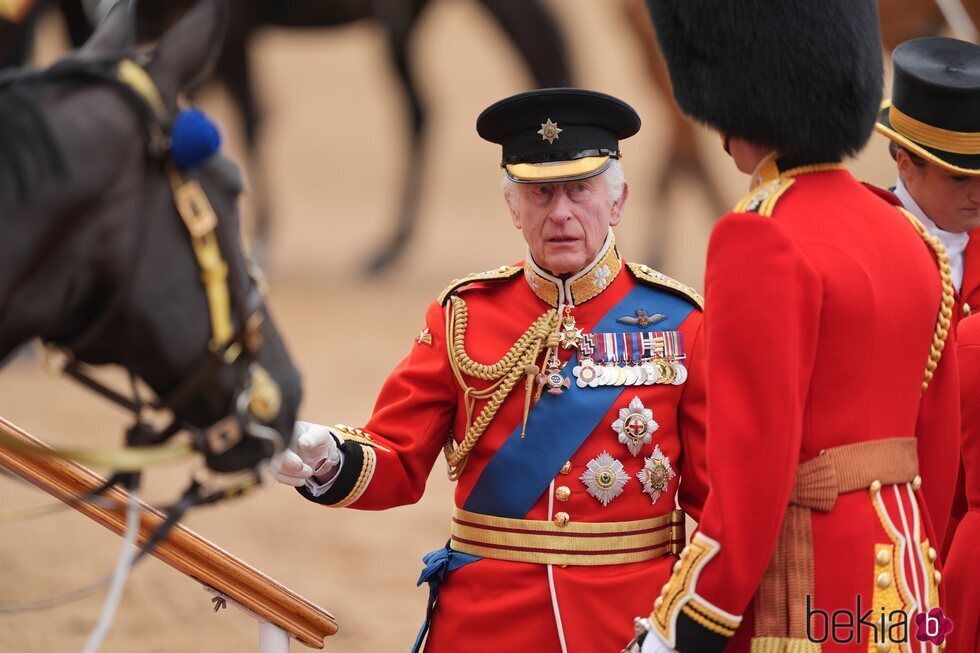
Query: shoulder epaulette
pixel 763 198
pixel 503 272
pixel 651 277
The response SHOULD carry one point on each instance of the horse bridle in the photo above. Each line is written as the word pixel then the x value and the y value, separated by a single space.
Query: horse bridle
pixel 257 402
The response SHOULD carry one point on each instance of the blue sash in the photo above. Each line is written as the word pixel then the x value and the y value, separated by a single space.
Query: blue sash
pixel 522 469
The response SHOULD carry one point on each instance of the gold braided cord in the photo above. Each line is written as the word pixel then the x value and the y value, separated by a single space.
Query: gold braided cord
pixel 944 319
pixel 518 362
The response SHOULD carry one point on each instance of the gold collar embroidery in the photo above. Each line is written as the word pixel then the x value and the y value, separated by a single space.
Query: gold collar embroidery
pixel 583 286
pixel 768 170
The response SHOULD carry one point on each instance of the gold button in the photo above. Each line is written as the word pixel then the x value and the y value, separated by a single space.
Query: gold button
pixel 875 487
pixel 883 558
pixel 884 580
pixel 938 576
pixel 883 647
pixel 916 482
pixel 562 493
pixel 932 554
pixel 966 309
pixel 567 467
pixel 659 602
pixel 561 518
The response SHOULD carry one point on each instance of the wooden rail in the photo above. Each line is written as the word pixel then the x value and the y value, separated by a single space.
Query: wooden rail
pixel 184 550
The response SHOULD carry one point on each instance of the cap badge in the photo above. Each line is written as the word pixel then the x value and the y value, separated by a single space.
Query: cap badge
pixel 549 131
pixel 656 474
pixel 604 477
pixel 635 425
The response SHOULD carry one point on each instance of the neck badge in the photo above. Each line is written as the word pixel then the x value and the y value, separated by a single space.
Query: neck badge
pixel 570 336
pixel 604 478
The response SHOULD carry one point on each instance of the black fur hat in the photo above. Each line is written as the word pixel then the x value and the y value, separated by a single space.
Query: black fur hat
pixel 801 76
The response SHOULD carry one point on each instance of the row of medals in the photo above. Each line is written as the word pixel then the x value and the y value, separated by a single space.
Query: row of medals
pixel 646 372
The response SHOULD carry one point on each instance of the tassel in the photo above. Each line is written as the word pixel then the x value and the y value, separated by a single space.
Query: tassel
pixel 531 371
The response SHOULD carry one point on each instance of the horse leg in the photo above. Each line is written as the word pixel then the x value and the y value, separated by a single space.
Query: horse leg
pixel 683 154
pixel 79 29
pixel 234 72
pixel 535 32
pixel 407 219
pixel 17 39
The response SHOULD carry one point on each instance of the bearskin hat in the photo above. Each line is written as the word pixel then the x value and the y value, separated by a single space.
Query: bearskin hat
pixel 801 76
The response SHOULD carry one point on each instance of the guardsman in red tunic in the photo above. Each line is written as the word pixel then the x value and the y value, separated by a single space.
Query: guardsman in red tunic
pixel 826 338
pixel 962 571
pixel 567 395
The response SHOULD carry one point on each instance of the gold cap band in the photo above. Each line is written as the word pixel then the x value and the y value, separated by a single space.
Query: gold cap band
pixel 934 137
pixel 558 171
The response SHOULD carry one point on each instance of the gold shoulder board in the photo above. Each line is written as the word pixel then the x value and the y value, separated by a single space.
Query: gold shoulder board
pixel 651 277
pixel 503 272
pixel 762 199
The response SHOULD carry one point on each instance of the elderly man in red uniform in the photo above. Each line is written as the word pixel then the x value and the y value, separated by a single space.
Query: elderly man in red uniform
pixel 567 394
pixel 826 345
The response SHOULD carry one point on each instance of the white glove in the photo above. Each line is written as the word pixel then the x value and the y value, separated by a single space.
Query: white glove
pixel 314 452
pixel 653 644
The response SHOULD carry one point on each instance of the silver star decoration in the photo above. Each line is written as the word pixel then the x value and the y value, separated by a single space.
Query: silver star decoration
pixel 604 477
pixel 635 425
pixel 549 131
pixel 656 474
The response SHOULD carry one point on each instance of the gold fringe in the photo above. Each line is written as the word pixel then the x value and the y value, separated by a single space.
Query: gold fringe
pixel 783 645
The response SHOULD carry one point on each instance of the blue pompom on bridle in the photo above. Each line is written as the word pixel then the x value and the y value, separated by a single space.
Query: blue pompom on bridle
pixel 194 139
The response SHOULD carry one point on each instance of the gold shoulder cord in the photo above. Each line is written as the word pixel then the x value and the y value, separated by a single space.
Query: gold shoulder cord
pixel 944 318
pixel 505 373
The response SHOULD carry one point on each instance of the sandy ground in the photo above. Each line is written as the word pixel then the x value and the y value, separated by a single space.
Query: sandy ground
pixel 333 155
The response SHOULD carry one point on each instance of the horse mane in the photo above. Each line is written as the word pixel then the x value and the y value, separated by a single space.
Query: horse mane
pixel 29 152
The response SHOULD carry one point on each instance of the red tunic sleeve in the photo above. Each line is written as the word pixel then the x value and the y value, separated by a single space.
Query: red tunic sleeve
pixel 387 462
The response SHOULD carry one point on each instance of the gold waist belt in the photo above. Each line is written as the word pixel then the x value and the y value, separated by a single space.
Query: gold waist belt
pixel 780 617
pixel 575 543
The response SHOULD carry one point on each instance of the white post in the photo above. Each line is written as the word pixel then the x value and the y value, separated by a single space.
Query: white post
pixel 272 638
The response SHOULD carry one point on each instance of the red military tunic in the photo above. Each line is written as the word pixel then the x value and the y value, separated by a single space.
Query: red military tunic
pixel 970 290
pixel 962 570
pixel 824 302
pixel 548 561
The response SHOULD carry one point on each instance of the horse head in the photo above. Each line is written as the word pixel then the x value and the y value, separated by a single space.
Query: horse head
pixel 120 249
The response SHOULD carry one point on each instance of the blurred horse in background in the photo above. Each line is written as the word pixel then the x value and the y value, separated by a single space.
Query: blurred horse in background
pixel 528 24
pixel 117 251
pixel 901 20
